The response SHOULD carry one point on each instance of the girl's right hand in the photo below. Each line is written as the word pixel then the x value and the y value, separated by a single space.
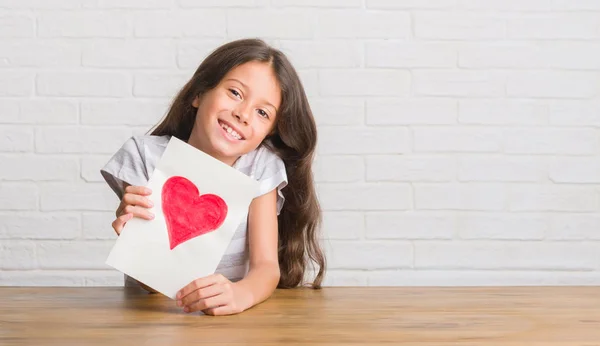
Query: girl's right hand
pixel 134 203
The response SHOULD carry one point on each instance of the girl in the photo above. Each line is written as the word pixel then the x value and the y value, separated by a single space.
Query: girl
pixel 246 107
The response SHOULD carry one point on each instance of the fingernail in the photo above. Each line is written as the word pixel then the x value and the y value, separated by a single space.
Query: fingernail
pixel 148 190
pixel 179 303
pixel 150 203
pixel 178 295
pixel 186 309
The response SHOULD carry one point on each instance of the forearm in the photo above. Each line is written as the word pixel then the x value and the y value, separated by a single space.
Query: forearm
pixel 260 282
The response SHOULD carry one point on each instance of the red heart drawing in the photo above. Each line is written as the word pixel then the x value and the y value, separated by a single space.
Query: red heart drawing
pixel 189 214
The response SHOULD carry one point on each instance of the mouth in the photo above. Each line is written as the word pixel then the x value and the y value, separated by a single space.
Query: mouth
pixel 231 131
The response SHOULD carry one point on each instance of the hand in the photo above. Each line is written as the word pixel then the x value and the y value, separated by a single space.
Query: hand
pixel 214 295
pixel 134 203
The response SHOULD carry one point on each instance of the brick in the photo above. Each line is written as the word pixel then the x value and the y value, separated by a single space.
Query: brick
pixel 270 23
pixel 410 54
pixel 159 84
pixel 134 4
pixel 517 55
pixel 553 26
pixel 457 139
pixel 556 84
pixel 39 226
pixel 509 169
pixel 450 25
pixel 506 5
pixel 338 110
pixel 559 141
pixel 317 3
pixel 370 255
pixel 223 3
pixel 313 54
pixel 92 197
pixel 363 24
pixel 38 168
pixel 334 140
pixel 98 225
pixel 191 53
pixel 40 4
pixel 73 254
pixel 473 196
pixel 83 24
pixel 16 83
pixel 458 83
pixel 479 278
pixel 343 225
pixel 123 112
pixel 410 168
pixel 15 255
pixel 339 169
pixel 574 227
pixel 91 165
pixel 180 24
pixel 410 4
pixel 66 139
pixel 335 197
pixel 26 278
pixel 575 170
pixel 34 53
pixel 506 255
pixel 16 138
pixel 378 82
pixel 16 26
pixel 552 198
pixel 410 225
pixel 38 111
pixel 342 278
pixel 410 111
pixel 129 54
pixel 310 82
pixel 575 113
pixel 108 84
pixel 18 196
pixel 107 278
pixel 502 112
pixel 502 226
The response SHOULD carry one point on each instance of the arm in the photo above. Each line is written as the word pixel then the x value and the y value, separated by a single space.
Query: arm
pixel 263 274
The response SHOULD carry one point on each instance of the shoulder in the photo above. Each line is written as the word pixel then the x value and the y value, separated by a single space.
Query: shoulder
pixel 261 163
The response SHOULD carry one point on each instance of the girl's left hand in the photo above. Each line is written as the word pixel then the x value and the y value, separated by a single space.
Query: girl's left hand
pixel 213 295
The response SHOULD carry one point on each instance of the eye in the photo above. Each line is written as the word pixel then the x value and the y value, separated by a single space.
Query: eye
pixel 235 93
pixel 263 113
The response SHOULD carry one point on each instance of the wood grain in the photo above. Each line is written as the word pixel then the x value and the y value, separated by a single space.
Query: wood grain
pixel 333 316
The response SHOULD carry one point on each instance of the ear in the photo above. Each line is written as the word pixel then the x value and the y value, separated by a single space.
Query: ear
pixel 196 101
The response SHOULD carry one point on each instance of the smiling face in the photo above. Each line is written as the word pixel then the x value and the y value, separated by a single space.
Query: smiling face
pixel 234 117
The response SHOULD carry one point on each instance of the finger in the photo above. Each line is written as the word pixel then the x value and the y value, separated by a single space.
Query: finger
pixel 133 199
pixel 200 283
pixel 203 293
pixel 119 223
pixel 140 212
pixel 138 190
pixel 208 303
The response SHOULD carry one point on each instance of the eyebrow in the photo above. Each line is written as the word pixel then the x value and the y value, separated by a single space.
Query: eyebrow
pixel 245 86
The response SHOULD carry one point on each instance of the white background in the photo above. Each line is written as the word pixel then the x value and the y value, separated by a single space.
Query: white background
pixel 459 139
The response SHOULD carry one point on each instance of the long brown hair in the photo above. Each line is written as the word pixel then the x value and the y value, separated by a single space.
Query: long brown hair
pixel 294 140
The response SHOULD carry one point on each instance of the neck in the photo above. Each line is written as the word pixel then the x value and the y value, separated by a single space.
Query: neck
pixel 198 145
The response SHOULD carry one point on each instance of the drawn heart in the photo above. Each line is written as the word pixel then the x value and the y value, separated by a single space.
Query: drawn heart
pixel 189 214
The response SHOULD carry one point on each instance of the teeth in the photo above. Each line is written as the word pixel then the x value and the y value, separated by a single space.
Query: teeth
pixel 231 131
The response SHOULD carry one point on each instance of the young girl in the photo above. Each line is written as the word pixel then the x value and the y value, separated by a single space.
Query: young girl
pixel 246 107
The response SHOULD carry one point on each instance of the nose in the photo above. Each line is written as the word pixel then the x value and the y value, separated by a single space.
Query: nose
pixel 242 113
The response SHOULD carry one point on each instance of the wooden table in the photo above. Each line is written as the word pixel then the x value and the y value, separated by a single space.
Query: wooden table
pixel 523 316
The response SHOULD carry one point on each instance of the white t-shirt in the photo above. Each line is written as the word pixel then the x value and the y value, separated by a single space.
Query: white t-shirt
pixel 135 161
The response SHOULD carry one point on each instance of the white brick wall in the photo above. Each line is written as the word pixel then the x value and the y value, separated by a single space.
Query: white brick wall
pixel 459 139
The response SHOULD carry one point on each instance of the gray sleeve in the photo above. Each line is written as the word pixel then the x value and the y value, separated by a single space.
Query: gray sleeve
pixel 126 166
pixel 271 174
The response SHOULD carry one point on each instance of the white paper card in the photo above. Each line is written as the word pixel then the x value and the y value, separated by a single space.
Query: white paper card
pixel 144 248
